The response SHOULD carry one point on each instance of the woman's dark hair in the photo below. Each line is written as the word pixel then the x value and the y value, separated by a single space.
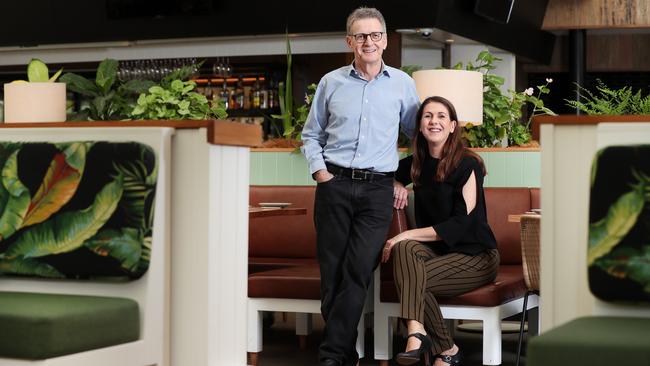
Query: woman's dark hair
pixel 452 152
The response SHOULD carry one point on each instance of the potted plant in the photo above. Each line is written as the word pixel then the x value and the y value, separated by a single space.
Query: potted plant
pixel 39 99
pixel 606 101
pixel 109 99
pixel 175 98
pixel 502 113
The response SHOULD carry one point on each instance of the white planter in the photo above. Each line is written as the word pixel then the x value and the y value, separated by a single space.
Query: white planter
pixel 35 102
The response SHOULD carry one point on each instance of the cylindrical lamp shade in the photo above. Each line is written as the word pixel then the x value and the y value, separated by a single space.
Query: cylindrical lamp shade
pixel 35 102
pixel 464 89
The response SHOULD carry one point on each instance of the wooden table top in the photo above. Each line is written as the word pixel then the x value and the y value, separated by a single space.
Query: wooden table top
pixel 517 218
pixel 254 212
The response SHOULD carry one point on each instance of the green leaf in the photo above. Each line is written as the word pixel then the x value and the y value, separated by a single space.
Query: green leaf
pixel 145 258
pixel 156 90
pixel 28 267
pixel 628 262
pixel 106 74
pixel 125 245
pixel 137 111
pixel 37 71
pixel 606 233
pixel 67 231
pixel 102 105
pixel 79 84
pixel 639 269
pixel 14 198
pixel 137 86
pixel 548 111
pixel 177 85
pixel 484 56
pixel 75 153
pixel 59 184
pixel 594 167
pixel 410 69
pixel 139 184
pixel 56 75
pixel 288 91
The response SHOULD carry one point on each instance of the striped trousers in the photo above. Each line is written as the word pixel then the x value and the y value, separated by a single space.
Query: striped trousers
pixel 421 275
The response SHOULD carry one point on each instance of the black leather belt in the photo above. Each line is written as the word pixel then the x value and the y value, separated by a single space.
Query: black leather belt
pixel 357 174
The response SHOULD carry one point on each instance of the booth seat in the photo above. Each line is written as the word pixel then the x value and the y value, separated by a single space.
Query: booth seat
pixel 282 242
pixel 80 316
pixel 284 274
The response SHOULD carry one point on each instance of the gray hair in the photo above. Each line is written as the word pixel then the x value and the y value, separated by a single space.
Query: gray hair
pixel 365 13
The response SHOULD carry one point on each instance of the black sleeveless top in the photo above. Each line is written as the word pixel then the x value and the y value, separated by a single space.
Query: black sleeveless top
pixel 442 206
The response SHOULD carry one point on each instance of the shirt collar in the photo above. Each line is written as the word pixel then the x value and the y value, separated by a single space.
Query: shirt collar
pixel 353 72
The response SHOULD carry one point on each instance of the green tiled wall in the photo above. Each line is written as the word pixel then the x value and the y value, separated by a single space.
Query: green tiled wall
pixel 505 168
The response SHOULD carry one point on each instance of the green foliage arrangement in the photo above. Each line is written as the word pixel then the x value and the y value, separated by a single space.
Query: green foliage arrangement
pixel 300 116
pixel 608 101
pixel 410 69
pixel 285 94
pixel 110 98
pixel 176 99
pixel 37 72
pixel 502 113
pixel 293 120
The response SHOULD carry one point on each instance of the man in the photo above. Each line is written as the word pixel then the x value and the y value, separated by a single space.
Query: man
pixel 350 142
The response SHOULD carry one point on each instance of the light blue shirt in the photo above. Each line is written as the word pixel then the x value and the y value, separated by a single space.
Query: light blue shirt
pixel 354 123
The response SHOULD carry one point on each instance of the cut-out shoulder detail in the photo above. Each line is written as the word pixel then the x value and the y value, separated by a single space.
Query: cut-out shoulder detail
pixel 470 192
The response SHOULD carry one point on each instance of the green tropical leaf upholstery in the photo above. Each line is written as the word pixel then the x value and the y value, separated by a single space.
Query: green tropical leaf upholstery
pixel 79 209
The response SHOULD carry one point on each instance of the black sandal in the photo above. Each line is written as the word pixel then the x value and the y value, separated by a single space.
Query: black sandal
pixel 452 360
pixel 414 356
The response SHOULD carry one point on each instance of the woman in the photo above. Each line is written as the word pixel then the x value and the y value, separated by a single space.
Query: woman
pixel 453 250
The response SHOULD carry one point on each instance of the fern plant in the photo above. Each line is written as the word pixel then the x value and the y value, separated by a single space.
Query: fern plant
pixel 606 101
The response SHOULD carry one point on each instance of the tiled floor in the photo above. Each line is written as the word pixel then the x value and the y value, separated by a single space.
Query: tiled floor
pixel 281 346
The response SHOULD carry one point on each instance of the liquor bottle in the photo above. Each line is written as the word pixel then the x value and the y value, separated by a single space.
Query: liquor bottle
pixel 224 94
pixel 255 94
pixel 264 96
pixel 273 95
pixel 238 95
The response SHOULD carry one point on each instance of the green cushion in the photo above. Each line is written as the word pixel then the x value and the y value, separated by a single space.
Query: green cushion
pixel 38 326
pixel 593 341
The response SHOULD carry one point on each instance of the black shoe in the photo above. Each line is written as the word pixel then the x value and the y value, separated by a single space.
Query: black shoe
pixel 414 356
pixel 352 360
pixel 453 360
pixel 329 362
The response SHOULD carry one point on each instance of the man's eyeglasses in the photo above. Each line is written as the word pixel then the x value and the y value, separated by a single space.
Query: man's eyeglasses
pixel 361 37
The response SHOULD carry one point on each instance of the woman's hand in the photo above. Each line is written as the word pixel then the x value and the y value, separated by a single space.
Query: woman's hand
pixel 400 195
pixel 388 247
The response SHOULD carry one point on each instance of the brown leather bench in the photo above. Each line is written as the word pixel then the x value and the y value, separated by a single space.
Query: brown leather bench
pixel 283 270
pixel 279 242
pixel 491 303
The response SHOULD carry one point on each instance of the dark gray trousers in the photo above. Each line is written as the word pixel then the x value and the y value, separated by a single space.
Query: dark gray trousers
pixel 352 219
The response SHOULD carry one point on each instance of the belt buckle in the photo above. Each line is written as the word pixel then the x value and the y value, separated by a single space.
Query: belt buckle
pixel 362 175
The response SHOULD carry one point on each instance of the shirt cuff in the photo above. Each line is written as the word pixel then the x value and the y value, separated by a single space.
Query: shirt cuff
pixel 317 165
